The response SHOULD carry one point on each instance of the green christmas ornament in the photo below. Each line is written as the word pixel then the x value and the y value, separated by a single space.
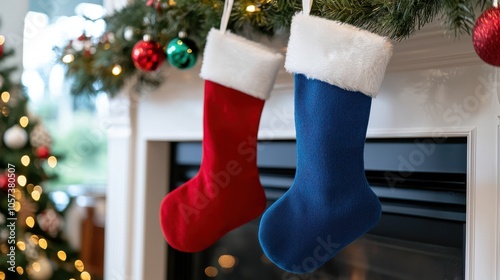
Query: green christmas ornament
pixel 182 53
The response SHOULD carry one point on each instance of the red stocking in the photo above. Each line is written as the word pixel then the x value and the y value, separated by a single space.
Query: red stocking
pixel 226 193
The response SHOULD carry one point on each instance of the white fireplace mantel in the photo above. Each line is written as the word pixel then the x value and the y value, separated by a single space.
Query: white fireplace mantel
pixel 435 85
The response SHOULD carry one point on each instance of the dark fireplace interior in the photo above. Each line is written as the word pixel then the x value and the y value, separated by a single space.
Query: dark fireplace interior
pixel 421 183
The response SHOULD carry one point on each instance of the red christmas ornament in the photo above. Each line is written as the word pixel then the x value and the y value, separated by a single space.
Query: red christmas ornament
pixel 158 4
pixel 4 182
pixel 147 55
pixel 486 36
pixel 1 50
pixel 43 152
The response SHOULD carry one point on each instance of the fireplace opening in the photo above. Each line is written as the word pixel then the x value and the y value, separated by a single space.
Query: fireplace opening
pixel 421 183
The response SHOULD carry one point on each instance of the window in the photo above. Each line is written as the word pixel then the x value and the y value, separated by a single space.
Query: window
pixel 76 124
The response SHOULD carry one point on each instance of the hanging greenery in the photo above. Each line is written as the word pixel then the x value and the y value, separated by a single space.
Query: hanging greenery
pixel 104 64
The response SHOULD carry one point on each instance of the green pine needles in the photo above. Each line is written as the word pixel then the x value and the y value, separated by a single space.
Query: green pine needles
pixel 397 19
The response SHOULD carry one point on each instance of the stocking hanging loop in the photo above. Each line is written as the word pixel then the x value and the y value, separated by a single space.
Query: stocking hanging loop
pixel 306 6
pixel 228 6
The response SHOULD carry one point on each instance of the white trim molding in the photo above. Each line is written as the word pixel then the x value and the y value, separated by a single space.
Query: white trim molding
pixel 119 204
pixel 470 134
pixel 149 247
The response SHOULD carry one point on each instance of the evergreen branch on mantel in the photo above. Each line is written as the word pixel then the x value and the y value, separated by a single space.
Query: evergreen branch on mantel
pixel 397 19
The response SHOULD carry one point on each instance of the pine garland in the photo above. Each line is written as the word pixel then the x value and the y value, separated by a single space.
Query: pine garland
pixel 397 19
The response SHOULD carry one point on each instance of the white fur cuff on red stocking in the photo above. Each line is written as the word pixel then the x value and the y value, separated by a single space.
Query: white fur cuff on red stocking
pixel 241 64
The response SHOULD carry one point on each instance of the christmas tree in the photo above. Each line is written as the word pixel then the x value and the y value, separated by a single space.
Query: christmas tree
pixel 32 243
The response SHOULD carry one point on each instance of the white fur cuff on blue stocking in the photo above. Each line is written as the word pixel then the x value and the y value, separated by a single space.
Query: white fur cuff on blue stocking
pixel 337 53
